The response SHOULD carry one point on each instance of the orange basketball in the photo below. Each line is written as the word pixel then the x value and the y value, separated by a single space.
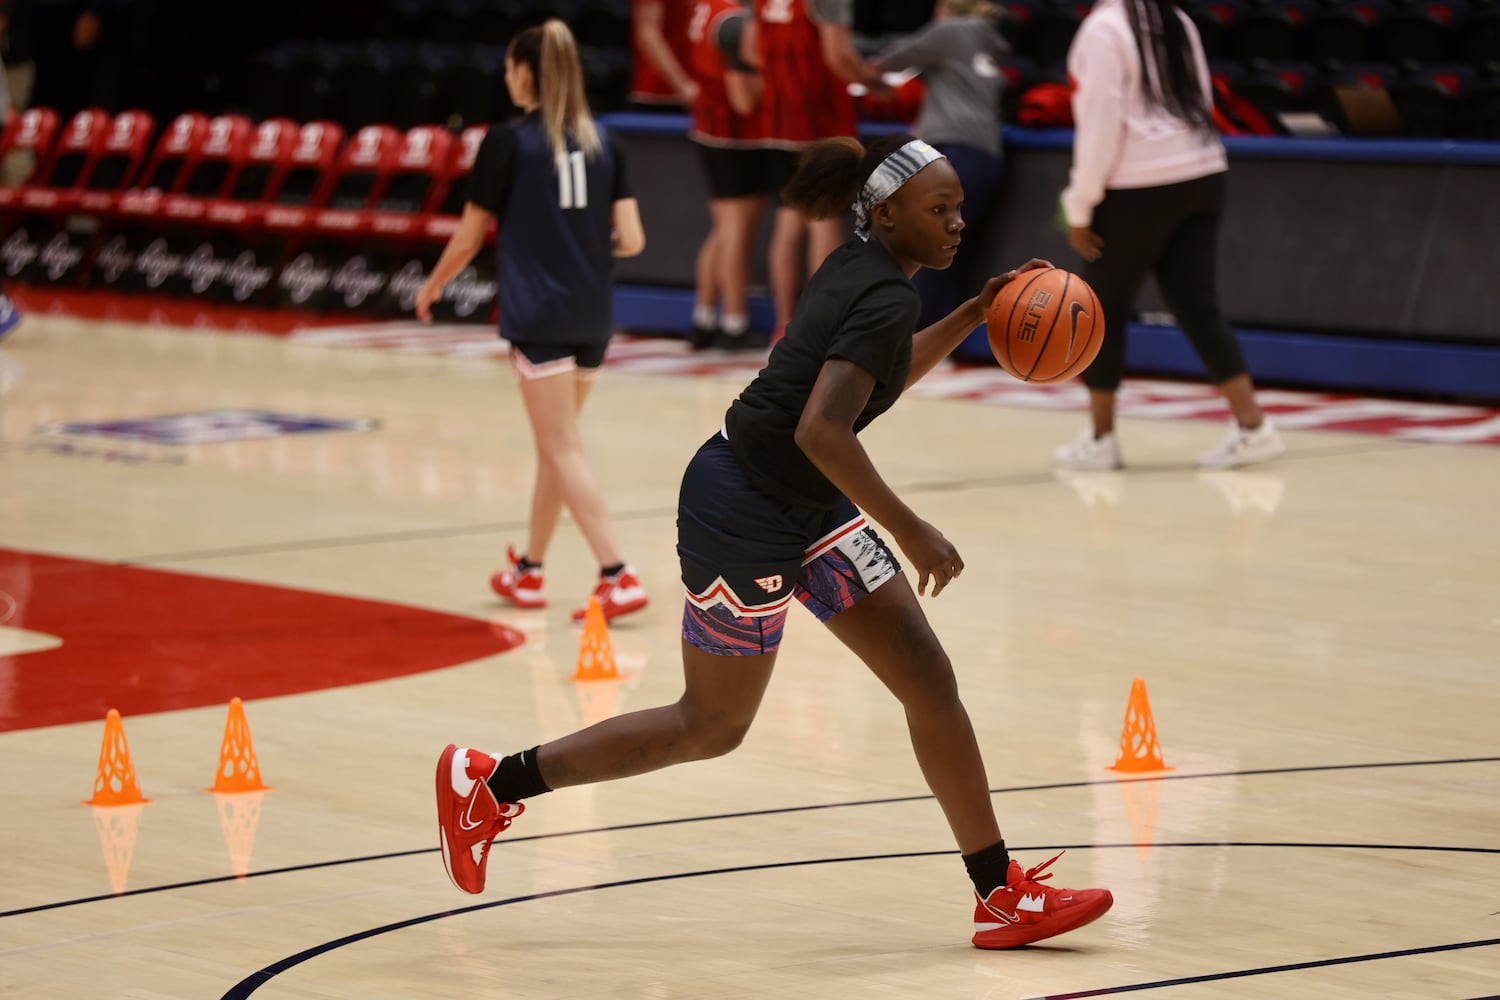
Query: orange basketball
pixel 1046 325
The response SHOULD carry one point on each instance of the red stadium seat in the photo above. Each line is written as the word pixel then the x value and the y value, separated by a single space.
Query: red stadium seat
pixel 193 163
pixel 306 179
pixel 257 176
pixel 30 134
pixel 417 182
pixel 428 151
pixel 119 160
pixel 444 222
pixel 359 178
pixel 60 177
pixel 176 153
pixel 220 160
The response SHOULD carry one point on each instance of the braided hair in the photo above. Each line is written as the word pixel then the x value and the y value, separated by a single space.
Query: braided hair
pixel 1169 73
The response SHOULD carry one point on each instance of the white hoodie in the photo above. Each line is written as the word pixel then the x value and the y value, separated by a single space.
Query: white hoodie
pixel 1120 139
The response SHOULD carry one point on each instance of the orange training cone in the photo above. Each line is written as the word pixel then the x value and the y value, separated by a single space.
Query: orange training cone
pixel 1139 750
pixel 239 771
pixel 596 655
pixel 115 783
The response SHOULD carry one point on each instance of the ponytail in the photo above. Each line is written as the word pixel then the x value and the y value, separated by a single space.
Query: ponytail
pixel 1169 73
pixel 827 178
pixel 551 54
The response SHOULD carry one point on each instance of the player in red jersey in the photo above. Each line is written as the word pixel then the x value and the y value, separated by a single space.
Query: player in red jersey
pixel 727 130
pixel 659 33
pixel 807 58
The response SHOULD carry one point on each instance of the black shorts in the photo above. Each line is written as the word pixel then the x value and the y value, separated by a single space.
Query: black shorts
pixel 746 555
pixel 538 360
pixel 781 164
pixel 733 172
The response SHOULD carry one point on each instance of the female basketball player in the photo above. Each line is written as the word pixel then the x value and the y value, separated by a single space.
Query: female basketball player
pixel 1145 195
pixel 726 128
pixel 556 183
pixel 958 55
pixel 770 512
pixel 804 50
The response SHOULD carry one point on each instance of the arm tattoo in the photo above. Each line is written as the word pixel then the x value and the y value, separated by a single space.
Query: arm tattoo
pixel 842 391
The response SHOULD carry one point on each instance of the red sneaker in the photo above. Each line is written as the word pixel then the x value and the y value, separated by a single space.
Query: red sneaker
pixel 468 815
pixel 525 588
pixel 1023 910
pixel 618 595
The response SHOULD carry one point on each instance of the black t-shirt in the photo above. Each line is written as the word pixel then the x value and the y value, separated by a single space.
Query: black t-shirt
pixel 555 266
pixel 860 307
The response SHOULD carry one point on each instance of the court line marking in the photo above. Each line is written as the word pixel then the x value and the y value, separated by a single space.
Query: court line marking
pixel 1267 970
pixel 779 811
pixel 247 986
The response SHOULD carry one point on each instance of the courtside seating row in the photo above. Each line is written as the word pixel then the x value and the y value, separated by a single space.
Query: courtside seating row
pixel 1332 33
pixel 225 172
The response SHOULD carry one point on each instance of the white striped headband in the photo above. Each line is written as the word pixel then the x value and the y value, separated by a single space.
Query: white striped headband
pixel 894 171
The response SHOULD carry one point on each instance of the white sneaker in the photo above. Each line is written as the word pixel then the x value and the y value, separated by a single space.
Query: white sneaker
pixel 1244 447
pixel 1088 452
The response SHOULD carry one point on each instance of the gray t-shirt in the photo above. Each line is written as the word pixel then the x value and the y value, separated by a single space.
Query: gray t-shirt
pixel 958 58
pixel 835 12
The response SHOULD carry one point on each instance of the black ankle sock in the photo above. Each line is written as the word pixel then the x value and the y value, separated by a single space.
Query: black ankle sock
pixel 517 778
pixel 987 868
pixel 524 564
pixel 614 570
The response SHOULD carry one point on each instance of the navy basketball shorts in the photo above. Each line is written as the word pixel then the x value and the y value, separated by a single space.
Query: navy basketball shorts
pixel 539 360
pixel 746 555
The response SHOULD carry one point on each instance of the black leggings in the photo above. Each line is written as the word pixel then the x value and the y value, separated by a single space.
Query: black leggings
pixel 1172 232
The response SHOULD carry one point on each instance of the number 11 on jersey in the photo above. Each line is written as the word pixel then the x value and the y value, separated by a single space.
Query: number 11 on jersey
pixel 572 182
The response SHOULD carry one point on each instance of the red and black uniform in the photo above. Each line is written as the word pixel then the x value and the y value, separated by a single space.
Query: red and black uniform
pixel 729 142
pixel 804 100
pixel 647 86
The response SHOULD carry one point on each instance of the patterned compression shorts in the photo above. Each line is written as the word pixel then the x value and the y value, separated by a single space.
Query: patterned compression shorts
pixel 745 555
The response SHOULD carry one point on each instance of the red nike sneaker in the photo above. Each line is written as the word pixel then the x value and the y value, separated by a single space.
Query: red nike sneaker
pixel 618 595
pixel 469 818
pixel 525 588
pixel 1023 910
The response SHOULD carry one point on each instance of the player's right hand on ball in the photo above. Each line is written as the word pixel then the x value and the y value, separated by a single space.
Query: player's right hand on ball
pixel 999 281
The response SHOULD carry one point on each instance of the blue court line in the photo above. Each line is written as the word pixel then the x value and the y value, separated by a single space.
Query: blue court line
pixel 784 810
pixel 247 986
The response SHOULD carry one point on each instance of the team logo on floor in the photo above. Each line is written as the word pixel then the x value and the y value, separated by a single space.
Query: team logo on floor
pixel 208 427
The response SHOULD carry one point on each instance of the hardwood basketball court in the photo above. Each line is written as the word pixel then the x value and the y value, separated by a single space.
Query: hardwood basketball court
pixel 309 523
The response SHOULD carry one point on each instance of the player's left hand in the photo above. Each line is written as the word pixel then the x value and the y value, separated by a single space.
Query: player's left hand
pixel 1085 242
pixel 429 293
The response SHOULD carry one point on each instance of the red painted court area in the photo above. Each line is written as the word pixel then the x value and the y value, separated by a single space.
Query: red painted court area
pixel 144 640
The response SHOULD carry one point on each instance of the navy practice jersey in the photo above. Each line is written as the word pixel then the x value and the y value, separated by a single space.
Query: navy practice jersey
pixel 556 263
pixel 860 307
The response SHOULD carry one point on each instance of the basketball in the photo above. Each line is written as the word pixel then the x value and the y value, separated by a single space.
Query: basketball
pixel 1046 326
